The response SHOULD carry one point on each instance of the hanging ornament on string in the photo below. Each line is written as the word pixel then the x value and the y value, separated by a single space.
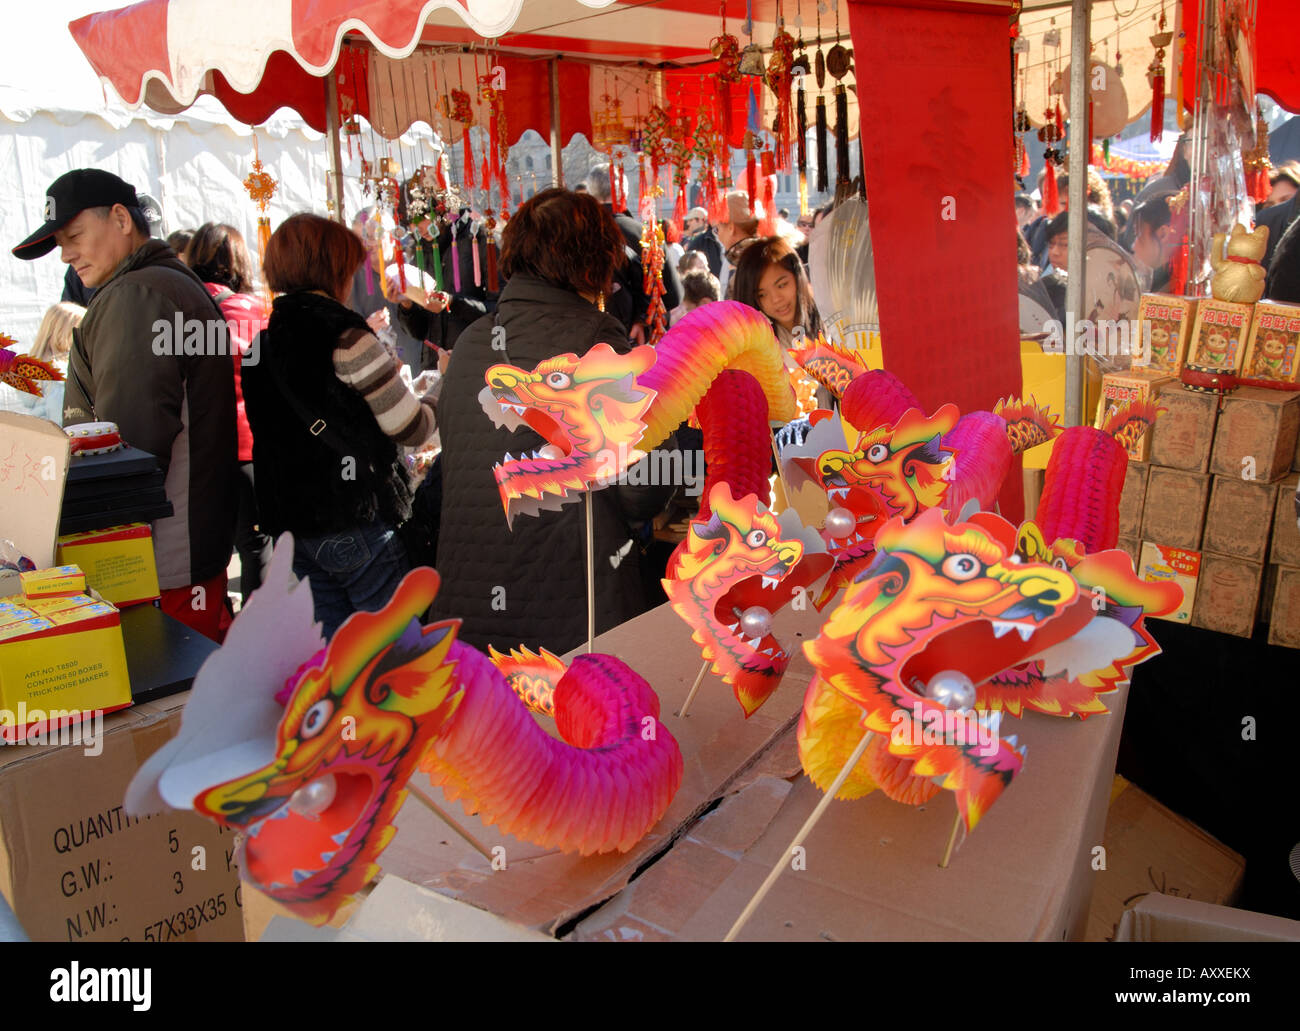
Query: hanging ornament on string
pixel 261 188
pixel 820 131
pixel 1256 162
pixel 1156 76
pixel 725 49
pixel 752 142
pixel 839 60
pixel 780 80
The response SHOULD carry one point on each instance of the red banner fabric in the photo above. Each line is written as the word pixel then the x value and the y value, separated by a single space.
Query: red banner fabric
pixel 936 124
pixel 1277 60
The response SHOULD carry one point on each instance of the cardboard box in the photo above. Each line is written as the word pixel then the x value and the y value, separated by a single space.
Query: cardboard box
pixel 58 669
pixel 119 562
pixel 1183 435
pixel 74 867
pixel 1151 850
pixel 1239 517
pixel 1132 500
pixel 53 582
pixel 1136 385
pixel 33 468
pixel 1174 513
pixel 1170 918
pixel 1160 562
pixel 1042 377
pixel 1131 546
pixel 1257 432
pixel 1227 594
pixel 1266 591
pixel 1274 339
pixel 1286 534
pixel 1219 335
pixel 1165 323
pixel 1284 616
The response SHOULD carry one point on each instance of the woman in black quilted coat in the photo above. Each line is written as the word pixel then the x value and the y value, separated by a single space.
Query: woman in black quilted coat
pixel 528 585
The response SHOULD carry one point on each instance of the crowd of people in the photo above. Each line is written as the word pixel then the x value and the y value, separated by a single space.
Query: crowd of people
pixel 1134 244
pixel 310 419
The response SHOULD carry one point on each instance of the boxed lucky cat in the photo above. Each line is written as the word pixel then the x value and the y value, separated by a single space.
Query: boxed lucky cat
pixel 1164 327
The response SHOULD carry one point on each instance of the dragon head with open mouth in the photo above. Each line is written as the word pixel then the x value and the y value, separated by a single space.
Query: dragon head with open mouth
pixel 588 410
pixel 896 470
pixel 941 610
pixel 1101 655
pixel 316 817
pixel 742 559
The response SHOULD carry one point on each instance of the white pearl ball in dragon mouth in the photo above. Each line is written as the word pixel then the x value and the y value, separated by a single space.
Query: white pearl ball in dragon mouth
pixel 314 798
pixel 952 689
pixel 550 453
pixel 840 522
pixel 756 621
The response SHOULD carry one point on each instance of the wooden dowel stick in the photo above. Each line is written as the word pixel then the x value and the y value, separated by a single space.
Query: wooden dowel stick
pixel 694 687
pixel 952 840
pixel 591 578
pixel 439 812
pixel 804 831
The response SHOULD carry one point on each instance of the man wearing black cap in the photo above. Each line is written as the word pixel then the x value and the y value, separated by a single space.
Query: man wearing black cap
pixel 151 356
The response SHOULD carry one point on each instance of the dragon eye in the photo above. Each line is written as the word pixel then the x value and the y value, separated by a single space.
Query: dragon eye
pixel 961 567
pixel 316 719
pixel 877 453
pixel 756 538
pixel 1059 563
pixel 558 380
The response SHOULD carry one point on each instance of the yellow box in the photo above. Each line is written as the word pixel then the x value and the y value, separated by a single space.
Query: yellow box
pixel 1181 565
pixel 1219 336
pixel 118 561
pixel 24 627
pixel 53 582
pixel 1273 353
pixel 1166 322
pixel 1042 377
pixel 1134 385
pixel 80 613
pixel 46 606
pixel 51 671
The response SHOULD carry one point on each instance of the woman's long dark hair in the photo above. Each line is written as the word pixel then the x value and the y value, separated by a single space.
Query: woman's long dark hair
pixel 755 260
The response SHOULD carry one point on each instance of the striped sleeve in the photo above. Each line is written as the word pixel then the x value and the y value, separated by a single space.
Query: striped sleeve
pixel 364 364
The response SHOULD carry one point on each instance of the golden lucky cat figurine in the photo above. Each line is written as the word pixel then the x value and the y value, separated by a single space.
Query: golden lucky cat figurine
pixel 1239 277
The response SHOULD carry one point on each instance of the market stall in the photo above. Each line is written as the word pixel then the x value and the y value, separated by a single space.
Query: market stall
pixel 902 647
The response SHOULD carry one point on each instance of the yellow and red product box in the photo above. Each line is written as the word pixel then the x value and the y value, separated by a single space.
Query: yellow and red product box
pixel 118 561
pixel 1219 335
pixel 57 581
pixel 63 666
pixel 1181 565
pixel 1271 351
pixel 1165 324
pixel 45 606
pixel 1135 385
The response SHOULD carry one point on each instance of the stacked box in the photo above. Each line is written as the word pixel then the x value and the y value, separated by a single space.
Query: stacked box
pixel 1286 535
pixel 1238 518
pixel 1183 435
pixel 1165 326
pixel 1256 434
pixel 1284 620
pixel 1227 595
pixel 1274 340
pixel 1219 335
pixel 1182 566
pixel 1132 500
pixel 1174 513
pixel 1136 385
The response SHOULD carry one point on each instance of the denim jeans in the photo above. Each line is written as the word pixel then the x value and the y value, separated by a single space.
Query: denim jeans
pixel 356 570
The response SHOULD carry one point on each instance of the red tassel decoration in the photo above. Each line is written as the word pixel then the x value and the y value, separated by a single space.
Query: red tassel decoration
pixel 1051 199
pixel 751 179
pixel 1157 102
pixel 469 159
pixel 1060 122
pixel 478 271
pixel 767 227
pixel 679 209
pixel 438 173
pixel 400 255
pixel 823 172
pixel 494 283
pixel 1178 271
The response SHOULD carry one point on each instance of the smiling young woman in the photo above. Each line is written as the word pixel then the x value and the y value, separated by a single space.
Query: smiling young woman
pixel 771 278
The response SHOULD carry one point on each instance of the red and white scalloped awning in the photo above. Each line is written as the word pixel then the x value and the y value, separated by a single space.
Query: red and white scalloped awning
pixel 258 55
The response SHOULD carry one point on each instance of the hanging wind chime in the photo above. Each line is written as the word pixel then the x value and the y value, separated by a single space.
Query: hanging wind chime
pixel 800 68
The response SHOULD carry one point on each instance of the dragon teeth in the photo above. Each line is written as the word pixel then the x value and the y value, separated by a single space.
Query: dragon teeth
pixel 339 838
pixel 1001 629
pixel 734 627
pixel 770 582
pixel 766 651
pixel 301 875
pixel 509 457
pixel 280 814
pixel 754 643
pixel 1025 632
pixel 325 857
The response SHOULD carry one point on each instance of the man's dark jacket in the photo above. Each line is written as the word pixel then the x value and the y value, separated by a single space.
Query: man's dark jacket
pixel 125 367
pixel 528 585
pixel 629 302
pixel 707 243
